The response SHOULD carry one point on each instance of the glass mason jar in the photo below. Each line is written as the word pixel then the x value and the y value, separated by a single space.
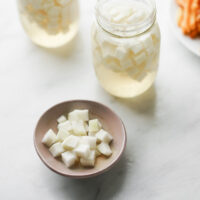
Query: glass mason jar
pixel 49 23
pixel 126 46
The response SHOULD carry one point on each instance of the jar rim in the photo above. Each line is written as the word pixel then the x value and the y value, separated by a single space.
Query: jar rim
pixel 125 30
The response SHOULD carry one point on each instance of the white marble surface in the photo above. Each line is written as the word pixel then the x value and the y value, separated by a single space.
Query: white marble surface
pixel 162 159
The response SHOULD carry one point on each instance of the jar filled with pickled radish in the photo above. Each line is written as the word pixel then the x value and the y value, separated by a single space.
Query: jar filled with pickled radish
pixel 49 23
pixel 126 46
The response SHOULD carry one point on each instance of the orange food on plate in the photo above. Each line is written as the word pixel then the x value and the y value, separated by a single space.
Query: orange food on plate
pixel 189 17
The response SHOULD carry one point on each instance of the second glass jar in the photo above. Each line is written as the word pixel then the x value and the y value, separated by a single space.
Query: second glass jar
pixel 49 23
pixel 126 46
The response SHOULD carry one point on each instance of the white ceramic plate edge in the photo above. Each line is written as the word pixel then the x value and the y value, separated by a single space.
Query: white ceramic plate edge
pixel 192 44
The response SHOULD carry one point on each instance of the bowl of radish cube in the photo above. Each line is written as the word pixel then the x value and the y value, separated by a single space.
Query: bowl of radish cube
pixel 80 138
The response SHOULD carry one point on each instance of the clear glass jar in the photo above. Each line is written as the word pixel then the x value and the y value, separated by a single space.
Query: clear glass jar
pixel 49 23
pixel 126 46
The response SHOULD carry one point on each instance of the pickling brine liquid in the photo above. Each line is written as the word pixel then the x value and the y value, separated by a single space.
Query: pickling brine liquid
pixel 41 37
pixel 122 85
pixel 49 24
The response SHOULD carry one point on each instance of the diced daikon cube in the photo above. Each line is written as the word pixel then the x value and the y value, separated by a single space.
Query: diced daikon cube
pixel 113 65
pixel 82 150
pixel 65 126
pixel 89 140
pixel 132 71
pixel 104 148
pixel 69 158
pixel 120 52
pixel 147 41
pixel 78 128
pixel 139 59
pixel 61 119
pixel 104 136
pixel 94 125
pixel 62 135
pixel 137 47
pixel 126 63
pixel 70 142
pixel 108 50
pixel 63 2
pixel 97 153
pixel 92 133
pixel 78 115
pixel 114 12
pixel 89 161
pixel 56 149
pixel 49 138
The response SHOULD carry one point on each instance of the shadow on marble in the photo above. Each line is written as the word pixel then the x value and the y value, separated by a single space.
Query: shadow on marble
pixel 64 51
pixel 144 104
pixel 102 187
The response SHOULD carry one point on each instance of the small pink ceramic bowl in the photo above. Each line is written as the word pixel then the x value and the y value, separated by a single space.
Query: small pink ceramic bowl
pixel 110 121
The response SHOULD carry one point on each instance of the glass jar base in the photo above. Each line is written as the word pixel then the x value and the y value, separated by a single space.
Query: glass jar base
pixel 42 38
pixel 121 85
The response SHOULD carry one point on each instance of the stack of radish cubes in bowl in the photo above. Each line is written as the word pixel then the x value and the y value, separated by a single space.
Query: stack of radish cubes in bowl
pixel 80 140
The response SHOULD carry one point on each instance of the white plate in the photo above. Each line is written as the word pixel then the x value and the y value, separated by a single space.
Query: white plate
pixel 192 44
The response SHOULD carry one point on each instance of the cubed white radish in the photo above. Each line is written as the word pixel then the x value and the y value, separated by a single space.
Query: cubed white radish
pixel 78 115
pixel 104 136
pixel 89 161
pixel 65 126
pixel 61 119
pixel 119 18
pixel 89 140
pixel 139 59
pixel 62 135
pixel 78 128
pixel 114 66
pixel 97 153
pixel 56 149
pixel 136 47
pixel 63 2
pixel 94 125
pixel 108 50
pixel 135 17
pixel 114 12
pixel 124 12
pixel 147 41
pixel 82 150
pixel 131 19
pixel 92 133
pixel 69 158
pixel 126 63
pixel 150 50
pixel 120 52
pixel 71 142
pixel 49 138
pixel 104 148
pixel 132 71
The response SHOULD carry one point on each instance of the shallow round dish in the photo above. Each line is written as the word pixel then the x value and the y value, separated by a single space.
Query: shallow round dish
pixel 191 44
pixel 110 121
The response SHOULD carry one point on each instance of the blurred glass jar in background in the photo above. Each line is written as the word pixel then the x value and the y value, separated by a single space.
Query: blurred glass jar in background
pixel 49 23
pixel 126 46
